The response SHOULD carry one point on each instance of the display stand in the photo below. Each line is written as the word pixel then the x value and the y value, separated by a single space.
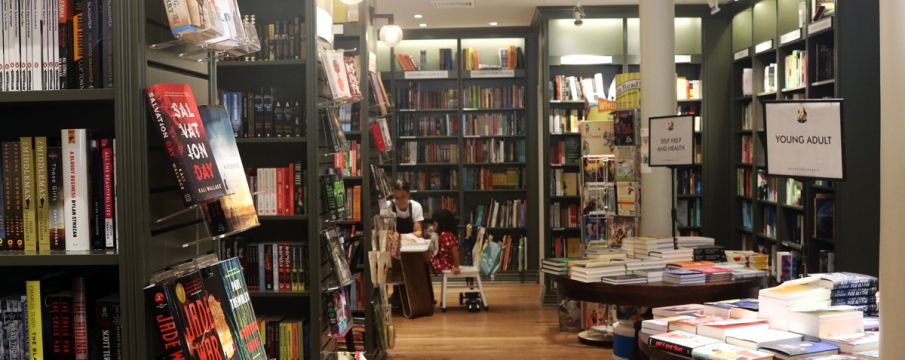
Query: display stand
pixel 672 145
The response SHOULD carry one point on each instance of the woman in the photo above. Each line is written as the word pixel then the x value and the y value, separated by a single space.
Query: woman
pixel 409 214
pixel 447 257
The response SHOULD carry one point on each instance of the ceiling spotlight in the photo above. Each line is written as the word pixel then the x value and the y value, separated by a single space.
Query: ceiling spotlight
pixel 390 35
pixel 494 23
pixel 578 13
pixel 418 16
pixel 422 25
pixel 350 2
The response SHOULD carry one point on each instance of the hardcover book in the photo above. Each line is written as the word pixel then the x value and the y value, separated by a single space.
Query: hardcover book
pixel 679 342
pixel 203 329
pixel 165 321
pixel 625 125
pixel 185 139
pixel 29 204
pixel 226 286
pixel 56 199
pixel 108 334
pixel 235 212
pixel 107 186
pixel 597 138
pixel 75 183
pixel 41 192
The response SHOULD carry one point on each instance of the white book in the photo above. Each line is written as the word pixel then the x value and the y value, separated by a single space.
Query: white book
pixel 758 338
pixel 747 81
pixel 75 152
pixel 272 183
pixel 15 46
pixel 258 191
pixel 3 35
pixel 38 63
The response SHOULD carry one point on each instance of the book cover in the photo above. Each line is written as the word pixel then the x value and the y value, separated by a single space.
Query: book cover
pixel 722 351
pixel 800 348
pixel 338 313
pixel 200 326
pixel 185 139
pixel 597 138
pixel 624 125
pixel 108 332
pixel 622 227
pixel 56 199
pixel 627 163
pixel 75 183
pixel 235 212
pixel 333 243
pixel 627 195
pixel 29 203
pixel 216 289
pixel 679 342
pixel 238 306
pixel 35 333
pixel 12 326
pixel 628 91
pixel 335 69
pixel 165 321
pixel 41 194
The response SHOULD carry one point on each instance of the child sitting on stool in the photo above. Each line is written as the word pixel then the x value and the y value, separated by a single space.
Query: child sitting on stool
pixel 447 256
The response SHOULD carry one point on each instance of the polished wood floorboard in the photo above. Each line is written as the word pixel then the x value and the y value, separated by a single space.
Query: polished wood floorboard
pixel 516 327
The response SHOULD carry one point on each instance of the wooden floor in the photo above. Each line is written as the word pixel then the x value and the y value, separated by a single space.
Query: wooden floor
pixel 516 327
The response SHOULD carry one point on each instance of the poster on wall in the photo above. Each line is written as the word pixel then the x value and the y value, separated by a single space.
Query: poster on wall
pixel 804 138
pixel 671 141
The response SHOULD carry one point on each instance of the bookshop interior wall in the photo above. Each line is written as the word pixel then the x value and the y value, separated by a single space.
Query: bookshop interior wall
pixel 215 179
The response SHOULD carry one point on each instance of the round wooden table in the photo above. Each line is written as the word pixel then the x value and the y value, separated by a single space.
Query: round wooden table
pixel 658 294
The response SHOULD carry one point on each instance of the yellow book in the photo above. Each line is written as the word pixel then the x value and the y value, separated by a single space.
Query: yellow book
pixel 29 203
pixel 35 332
pixel 43 208
pixel 628 91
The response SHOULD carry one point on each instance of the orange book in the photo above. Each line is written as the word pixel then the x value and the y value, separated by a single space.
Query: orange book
pixel 356 202
pixel 692 264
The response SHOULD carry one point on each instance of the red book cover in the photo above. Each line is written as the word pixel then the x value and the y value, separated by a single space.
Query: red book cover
pixel 79 319
pixel 285 269
pixel 287 190
pixel 199 325
pixel 182 131
pixel 167 333
pixel 279 191
pixel 107 158
pixel 379 144
pixel 290 184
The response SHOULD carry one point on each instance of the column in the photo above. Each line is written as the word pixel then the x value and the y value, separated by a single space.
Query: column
pixel 658 98
pixel 892 171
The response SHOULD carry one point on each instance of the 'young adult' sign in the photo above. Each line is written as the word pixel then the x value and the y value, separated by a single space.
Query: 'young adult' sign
pixel 804 138
pixel 671 141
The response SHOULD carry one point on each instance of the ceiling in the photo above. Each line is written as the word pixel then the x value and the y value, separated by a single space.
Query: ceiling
pixel 504 12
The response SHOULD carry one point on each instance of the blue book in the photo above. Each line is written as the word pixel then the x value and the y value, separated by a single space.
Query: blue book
pixel 802 349
pixel 683 272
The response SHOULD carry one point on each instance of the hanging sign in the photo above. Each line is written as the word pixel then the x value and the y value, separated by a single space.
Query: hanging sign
pixel 671 141
pixel 804 138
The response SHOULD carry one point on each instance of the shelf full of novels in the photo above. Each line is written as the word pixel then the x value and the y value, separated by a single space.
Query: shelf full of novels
pixel 801 49
pixel 581 86
pixel 462 132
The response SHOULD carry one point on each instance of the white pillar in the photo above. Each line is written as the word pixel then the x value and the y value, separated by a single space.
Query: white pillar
pixel 658 98
pixel 892 171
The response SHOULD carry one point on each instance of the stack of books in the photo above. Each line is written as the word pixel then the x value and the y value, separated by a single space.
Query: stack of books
pixel 651 275
pixel 600 250
pixel 661 325
pixel 722 328
pixel 592 272
pixel 651 268
pixel 776 303
pixel 709 253
pixel 829 321
pixel 715 274
pixel 855 343
pixel 758 338
pixel 801 350
pixel 556 266
pixel 676 310
pixel 642 246
pixel 624 279
pixel 745 274
pixel 679 342
pixel 690 265
pixel 683 277
pixel 856 290
pixel 674 256
pixel 726 351
pixel 695 241
pixel 751 259
pixel 691 325
pixel 733 309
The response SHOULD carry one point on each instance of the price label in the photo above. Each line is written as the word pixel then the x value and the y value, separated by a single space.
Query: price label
pixel 434 74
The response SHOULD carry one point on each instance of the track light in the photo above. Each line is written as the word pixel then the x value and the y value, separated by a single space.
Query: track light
pixel 578 13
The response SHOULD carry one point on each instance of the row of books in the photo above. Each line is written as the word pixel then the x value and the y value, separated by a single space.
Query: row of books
pixel 282 39
pixel 345 115
pixel 490 151
pixel 333 193
pixel 769 220
pixel 515 253
pixel 744 187
pixel 510 57
pixel 688 89
pixel 563 183
pixel 349 161
pixel 796 69
pixel 575 88
pixel 504 97
pixel 342 75
pixel 500 214
pixel 747 119
pixel 428 125
pixel 433 204
pixel 61 317
pixel 407 62
pixel 494 124
pixel 688 181
pixel 441 179
pixel 284 337
pixel 263 113
pixel 563 215
pixel 51 193
pixel 412 96
pixel 688 212
pixel 278 191
pixel 747 149
pixel 766 187
pixel 76 52
pixel 565 121
pixel 380 134
pixel 413 153
pixel 565 151
pixel 496 178
pixel 353 202
pixel 771 78
pixel 268 266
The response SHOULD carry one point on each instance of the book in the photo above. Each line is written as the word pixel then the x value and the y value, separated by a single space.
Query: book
pixel 79 318
pixel 42 203
pixel 800 350
pixel 96 193
pixel 828 321
pixel 720 329
pixel 226 286
pixel 167 336
pixel 108 334
pixel 597 138
pixel 672 311
pixel 343 277
pixel 679 342
pixel 35 333
pixel 56 199
pixel 235 212
pixel 759 338
pixel 722 351
pixel 338 312
pixel 202 330
pixel 856 342
pixel 58 311
pixel 105 180
pixel 334 67
pixel 185 139
pixel 76 195
pixel 29 203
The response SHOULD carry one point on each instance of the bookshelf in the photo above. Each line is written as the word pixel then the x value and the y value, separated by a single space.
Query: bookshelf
pixel 447 173
pixel 619 52
pixel 833 51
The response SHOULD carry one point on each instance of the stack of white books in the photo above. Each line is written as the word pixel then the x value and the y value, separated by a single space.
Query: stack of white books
pixel 660 325
pixel 677 310
pixel 683 277
pixel 778 303
pixel 555 266
pixel 829 321
pixel 855 343
pixel 745 274
pixel 651 275
pixel 694 241
pixel 624 279
pixel 592 272
pixel 674 255
pixel 642 246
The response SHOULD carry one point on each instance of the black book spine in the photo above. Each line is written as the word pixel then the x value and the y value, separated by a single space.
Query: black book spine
pixel 268 110
pixel 92 41
pixel 18 223
pixel 259 113
pixel 5 228
pixel 165 322
pixel 670 347
pixel 108 338
pixel 106 21
pixel 268 267
pixel 55 197
pixel 96 189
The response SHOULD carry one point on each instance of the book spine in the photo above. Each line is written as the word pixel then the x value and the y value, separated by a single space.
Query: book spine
pixel 7 240
pixel 80 46
pixel 844 293
pixel 268 266
pixel 75 185
pixel 106 43
pixel 96 194
pixel 43 205
pixel 855 284
pixel 60 311
pixel 35 331
pixel 167 335
pixel 279 190
pixel 18 234
pixel 275 264
pixel 670 347
pixel 64 17
pixel 55 194
pixel 299 189
pixel 92 42
pixel 109 330
pixel 107 185
pixel 80 319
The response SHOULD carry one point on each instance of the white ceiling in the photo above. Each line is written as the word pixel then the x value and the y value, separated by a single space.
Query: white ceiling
pixel 505 12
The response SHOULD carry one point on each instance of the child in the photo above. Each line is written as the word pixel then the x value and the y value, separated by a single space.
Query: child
pixel 447 256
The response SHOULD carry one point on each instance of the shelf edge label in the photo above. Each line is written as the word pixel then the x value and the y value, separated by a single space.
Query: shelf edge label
pixel 764 46
pixel 741 54
pixel 790 36
pixel 430 74
pixel 501 73
pixel 820 25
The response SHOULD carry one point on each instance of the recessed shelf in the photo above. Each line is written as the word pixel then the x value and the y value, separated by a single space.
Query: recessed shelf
pixel 262 63
pixel 561 229
pixel 690 228
pixel 271 140
pixel 278 294
pixel 505 229
pixel 767 202
pixel 59 258
pixel 282 217
pixel 794 89
pixel 491 109
pixel 53 96
pixel 352 133
pixel 567 102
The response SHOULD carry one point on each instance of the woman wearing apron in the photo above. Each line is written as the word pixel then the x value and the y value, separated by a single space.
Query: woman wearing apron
pixel 409 216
